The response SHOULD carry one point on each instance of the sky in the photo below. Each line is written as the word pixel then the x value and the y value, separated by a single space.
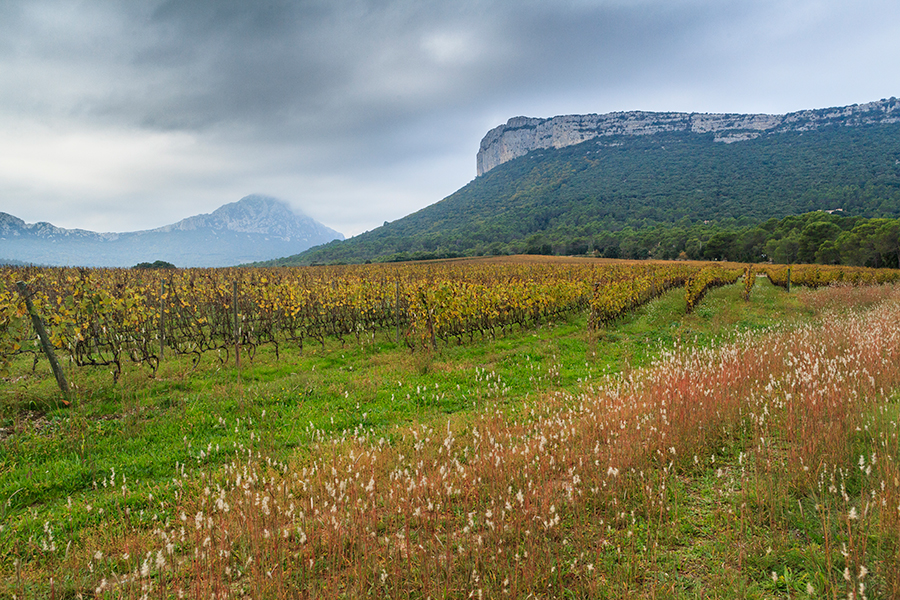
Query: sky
pixel 121 116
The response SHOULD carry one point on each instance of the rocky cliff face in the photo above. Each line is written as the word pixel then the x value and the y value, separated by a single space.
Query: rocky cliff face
pixel 521 135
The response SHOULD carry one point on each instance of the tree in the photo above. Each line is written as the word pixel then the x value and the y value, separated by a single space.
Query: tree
pixel 720 246
pixel 753 245
pixel 785 250
pixel 813 236
pixel 862 250
pixel 828 254
pixel 157 264
pixel 694 249
pixel 538 244
pixel 576 247
pixel 887 243
pixel 848 247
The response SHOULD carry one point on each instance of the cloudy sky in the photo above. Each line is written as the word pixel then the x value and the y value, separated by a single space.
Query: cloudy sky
pixel 117 116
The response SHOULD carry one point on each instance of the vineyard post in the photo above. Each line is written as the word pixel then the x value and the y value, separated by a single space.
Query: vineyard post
pixel 397 308
pixel 162 318
pixel 45 340
pixel 237 329
pixel 789 280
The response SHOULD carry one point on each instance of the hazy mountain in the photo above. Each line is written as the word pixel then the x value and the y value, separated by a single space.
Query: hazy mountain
pixel 252 229
pixel 568 181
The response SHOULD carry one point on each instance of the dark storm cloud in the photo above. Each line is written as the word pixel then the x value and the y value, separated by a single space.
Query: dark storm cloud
pixel 365 110
pixel 340 65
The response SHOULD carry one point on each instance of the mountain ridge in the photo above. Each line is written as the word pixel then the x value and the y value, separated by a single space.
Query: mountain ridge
pixel 254 214
pixel 520 135
pixel 573 196
pixel 257 227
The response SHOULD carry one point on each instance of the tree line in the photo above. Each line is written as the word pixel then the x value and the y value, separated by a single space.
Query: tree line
pixel 816 237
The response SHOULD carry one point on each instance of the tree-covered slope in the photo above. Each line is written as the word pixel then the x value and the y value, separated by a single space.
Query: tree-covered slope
pixel 575 195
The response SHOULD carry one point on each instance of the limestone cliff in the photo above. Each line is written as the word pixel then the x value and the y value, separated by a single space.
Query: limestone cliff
pixel 521 135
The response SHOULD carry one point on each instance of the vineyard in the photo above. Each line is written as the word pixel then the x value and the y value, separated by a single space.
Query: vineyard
pixel 491 428
pixel 104 317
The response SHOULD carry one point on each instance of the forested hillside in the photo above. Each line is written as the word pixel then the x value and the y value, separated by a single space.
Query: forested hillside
pixel 611 196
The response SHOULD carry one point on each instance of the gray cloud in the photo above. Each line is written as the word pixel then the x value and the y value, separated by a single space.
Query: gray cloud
pixel 131 115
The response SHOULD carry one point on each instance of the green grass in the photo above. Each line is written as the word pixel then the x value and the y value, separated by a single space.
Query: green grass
pixel 143 426
pixel 144 429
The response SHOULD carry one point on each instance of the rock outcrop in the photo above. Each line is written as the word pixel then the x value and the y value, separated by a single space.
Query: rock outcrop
pixel 520 135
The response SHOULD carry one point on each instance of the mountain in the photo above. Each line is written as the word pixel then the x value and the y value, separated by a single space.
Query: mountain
pixel 569 182
pixel 521 135
pixel 252 229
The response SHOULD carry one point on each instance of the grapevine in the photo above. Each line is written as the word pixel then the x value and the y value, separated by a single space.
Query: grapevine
pixel 108 317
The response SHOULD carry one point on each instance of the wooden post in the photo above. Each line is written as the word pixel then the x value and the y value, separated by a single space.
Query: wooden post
pixel 789 280
pixel 397 308
pixel 45 340
pixel 237 329
pixel 162 318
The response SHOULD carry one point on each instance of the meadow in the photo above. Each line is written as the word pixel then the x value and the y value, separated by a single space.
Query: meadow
pixel 611 430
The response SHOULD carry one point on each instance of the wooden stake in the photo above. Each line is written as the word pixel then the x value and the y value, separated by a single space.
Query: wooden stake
pixel 237 330
pixel 162 318
pixel 45 340
pixel 397 308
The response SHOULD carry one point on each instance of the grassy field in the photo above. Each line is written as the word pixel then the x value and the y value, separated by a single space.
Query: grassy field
pixel 748 449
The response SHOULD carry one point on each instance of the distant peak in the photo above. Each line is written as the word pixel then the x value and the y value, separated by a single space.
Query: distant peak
pixel 256 213
pixel 256 227
pixel 256 203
